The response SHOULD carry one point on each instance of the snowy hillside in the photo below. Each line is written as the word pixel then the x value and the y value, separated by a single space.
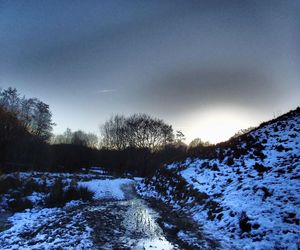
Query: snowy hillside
pixel 248 194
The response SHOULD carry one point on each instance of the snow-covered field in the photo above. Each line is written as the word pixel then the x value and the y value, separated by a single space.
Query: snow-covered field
pixel 248 196
pixel 115 219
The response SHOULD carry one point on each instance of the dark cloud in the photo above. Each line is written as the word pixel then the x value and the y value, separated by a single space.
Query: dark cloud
pixel 182 90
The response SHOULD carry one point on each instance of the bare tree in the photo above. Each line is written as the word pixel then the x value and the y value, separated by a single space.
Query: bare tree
pixel 78 137
pixel 114 133
pixel 138 130
pixel 92 140
pixel 42 121
pixel 10 100
pixel 197 142
pixel 34 114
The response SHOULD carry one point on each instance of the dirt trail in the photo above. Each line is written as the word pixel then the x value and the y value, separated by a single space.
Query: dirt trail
pixel 126 224
pixel 134 224
pixel 106 223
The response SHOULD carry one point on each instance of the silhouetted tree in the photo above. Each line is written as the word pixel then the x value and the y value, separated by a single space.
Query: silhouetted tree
pixel 114 133
pixel 138 130
pixel 197 142
pixel 32 113
pixel 11 130
pixel 78 137
pixel 10 100
pixel 42 121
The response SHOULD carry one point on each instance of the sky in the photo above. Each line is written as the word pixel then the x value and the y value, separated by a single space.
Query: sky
pixel 209 68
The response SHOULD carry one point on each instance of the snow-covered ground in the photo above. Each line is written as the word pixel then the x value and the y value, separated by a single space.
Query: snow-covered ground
pixel 47 228
pixel 116 218
pixel 107 189
pixel 248 196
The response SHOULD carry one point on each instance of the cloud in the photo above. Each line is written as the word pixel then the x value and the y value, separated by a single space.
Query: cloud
pixel 187 89
pixel 102 91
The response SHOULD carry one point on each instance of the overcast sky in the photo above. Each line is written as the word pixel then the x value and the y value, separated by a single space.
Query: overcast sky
pixel 202 66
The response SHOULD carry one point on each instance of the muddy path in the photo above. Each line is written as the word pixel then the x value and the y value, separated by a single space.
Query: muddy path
pixel 134 223
pixel 126 224
pixel 106 223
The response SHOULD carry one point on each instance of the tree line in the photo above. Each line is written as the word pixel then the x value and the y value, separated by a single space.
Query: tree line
pixel 135 131
pixel 137 144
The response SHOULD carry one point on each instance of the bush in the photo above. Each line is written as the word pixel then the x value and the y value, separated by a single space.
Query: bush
pixel 261 168
pixel 32 186
pixel 279 148
pixel 245 226
pixel 20 204
pixel 59 196
pixel 55 197
pixel 78 193
pixel 267 193
pixel 259 154
pixel 215 167
pixel 9 182
pixel 230 161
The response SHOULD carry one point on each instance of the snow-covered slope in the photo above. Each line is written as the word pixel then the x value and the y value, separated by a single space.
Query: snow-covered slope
pixel 247 194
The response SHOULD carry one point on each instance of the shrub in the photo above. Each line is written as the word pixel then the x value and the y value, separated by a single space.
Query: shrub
pixel 267 193
pixel 230 161
pixel 244 224
pixel 59 196
pixel 264 141
pixel 229 180
pixel 261 168
pixel 78 193
pixel 259 154
pixel 19 204
pixel 55 197
pixel 215 167
pixel 279 148
pixel 9 182
pixel 31 186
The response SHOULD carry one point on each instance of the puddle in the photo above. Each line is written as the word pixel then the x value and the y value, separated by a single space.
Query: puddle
pixel 140 222
pixel 126 224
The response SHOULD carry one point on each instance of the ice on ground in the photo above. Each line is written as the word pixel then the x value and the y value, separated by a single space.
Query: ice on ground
pixel 157 243
pixel 141 220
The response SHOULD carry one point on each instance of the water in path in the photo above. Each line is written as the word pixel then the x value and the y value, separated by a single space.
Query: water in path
pixel 127 224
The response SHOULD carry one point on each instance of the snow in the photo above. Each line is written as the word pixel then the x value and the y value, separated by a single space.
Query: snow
pixel 38 229
pixel 107 189
pixel 36 197
pixel 157 243
pixel 271 199
pixel 72 226
pixel 74 203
